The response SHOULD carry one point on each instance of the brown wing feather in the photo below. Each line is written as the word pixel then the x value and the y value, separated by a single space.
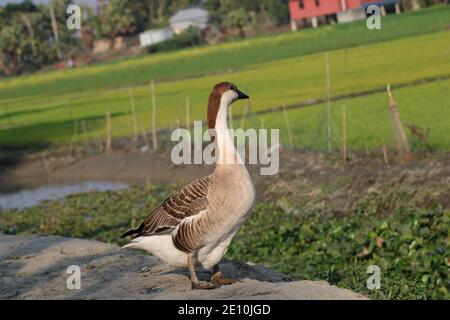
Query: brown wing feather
pixel 189 201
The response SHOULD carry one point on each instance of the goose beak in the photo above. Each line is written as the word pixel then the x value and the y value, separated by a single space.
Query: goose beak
pixel 242 95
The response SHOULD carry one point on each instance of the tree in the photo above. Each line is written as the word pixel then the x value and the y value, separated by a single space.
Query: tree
pixel 238 19
pixel 238 13
pixel 117 19
pixel 26 37
pixel 12 45
pixel 277 10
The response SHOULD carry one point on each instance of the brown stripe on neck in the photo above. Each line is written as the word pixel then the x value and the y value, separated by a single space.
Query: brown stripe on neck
pixel 213 108
pixel 214 103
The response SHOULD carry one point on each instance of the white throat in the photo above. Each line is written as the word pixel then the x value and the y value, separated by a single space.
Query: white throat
pixel 226 150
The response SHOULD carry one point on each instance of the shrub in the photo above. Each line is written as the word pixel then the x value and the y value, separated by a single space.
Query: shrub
pixel 190 38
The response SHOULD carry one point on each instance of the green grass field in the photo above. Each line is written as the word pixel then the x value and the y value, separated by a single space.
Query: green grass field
pixel 276 70
pixel 221 58
pixel 368 120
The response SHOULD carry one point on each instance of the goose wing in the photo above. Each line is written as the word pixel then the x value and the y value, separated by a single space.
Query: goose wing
pixel 189 201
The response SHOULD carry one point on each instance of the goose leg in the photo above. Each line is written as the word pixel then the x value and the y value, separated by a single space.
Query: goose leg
pixel 195 283
pixel 219 279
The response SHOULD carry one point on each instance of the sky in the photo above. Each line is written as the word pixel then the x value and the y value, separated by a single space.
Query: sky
pixel 89 2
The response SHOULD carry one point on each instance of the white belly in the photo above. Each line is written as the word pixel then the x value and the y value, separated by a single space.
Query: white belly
pixel 211 255
pixel 162 247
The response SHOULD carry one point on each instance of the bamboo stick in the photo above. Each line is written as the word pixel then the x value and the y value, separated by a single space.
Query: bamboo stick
pixel 46 165
pixel 83 126
pixel 133 116
pixel 344 134
pixel 154 132
pixel 108 133
pixel 286 120
pixel 385 154
pixel 188 113
pixel 75 133
pixel 329 133
pixel 55 32
pixel 402 142
pixel 144 136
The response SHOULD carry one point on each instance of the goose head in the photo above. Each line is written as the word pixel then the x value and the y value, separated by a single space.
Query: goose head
pixel 221 98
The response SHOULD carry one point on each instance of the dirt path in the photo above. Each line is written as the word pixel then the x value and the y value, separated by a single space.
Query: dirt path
pixel 36 268
pixel 127 167
pixel 124 166
pixel 302 175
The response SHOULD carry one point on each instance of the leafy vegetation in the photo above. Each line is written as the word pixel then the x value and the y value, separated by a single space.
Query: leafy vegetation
pixel 188 38
pixel 240 13
pixel 411 248
pixel 26 38
pixel 411 245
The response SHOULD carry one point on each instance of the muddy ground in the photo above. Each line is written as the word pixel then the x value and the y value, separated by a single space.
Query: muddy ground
pixel 303 174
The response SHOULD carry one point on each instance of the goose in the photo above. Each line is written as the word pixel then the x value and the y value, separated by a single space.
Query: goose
pixel 196 225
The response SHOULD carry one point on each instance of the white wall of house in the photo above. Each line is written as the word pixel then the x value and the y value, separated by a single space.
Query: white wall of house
pixel 351 15
pixel 149 37
pixel 191 17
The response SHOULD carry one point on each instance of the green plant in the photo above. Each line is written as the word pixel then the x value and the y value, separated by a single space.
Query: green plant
pixel 410 244
pixel 187 39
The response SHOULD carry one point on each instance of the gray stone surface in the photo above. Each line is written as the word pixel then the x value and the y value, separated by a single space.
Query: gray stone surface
pixel 36 268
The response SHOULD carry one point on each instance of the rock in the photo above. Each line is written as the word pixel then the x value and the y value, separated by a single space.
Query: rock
pixel 36 268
